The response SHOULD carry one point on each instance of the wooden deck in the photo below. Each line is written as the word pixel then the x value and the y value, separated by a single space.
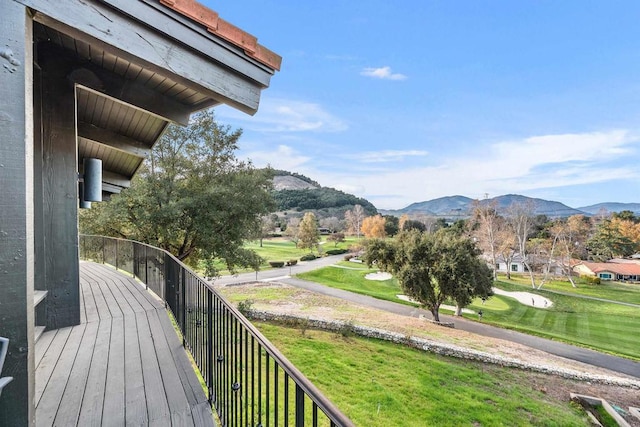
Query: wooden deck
pixel 123 365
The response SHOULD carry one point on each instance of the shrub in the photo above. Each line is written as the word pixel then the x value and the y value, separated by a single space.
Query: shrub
pixel 336 251
pixel 308 257
pixel 292 262
pixel 245 306
pixel 347 257
pixel 276 264
pixel 356 248
pixel 590 280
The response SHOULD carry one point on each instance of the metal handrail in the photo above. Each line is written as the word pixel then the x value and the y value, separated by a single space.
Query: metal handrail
pixel 226 347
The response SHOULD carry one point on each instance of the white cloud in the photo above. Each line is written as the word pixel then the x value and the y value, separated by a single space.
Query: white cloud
pixel 283 158
pixel 286 115
pixel 382 73
pixel 528 164
pixel 387 155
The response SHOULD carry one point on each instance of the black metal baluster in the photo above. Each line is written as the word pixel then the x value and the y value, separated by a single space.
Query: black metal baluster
pixel 275 393
pixel 266 373
pixel 299 406
pixel 286 400
pixel 315 414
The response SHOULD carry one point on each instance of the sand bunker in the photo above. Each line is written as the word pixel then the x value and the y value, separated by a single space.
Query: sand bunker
pixel 380 275
pixel 526 298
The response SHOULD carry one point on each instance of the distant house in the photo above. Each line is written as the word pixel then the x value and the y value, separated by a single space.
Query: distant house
pixel 622 270
pixel 516 265
pixel 323 230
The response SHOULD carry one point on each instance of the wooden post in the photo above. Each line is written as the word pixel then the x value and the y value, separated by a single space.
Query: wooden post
pixel 16 213
pixel 60 190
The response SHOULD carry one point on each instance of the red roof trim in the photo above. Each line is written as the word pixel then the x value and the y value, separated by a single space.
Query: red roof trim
pixel 207 17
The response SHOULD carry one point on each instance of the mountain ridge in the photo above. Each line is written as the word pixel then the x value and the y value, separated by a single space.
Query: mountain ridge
pixel 460 206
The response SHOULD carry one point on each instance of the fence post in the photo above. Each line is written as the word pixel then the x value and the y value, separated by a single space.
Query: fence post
pixel 183 314
pixel 299 406
pixel 209 345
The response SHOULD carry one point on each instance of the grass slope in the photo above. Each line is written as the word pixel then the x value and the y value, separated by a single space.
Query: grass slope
pixel 607 327
pixel 602 326
pixel 353 279
pixel 377 383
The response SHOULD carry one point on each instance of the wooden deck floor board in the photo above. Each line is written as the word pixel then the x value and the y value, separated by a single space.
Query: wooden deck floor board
pixel 72 398
pixel 157 405
pixel 124 365
pixel 93 399
pixel 50 401
pixel 135 404
pixel 49 361
pixel 43 344
pixel 114 388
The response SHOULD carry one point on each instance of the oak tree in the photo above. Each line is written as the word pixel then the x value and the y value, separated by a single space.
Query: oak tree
pixel 432 267
pixel 191 197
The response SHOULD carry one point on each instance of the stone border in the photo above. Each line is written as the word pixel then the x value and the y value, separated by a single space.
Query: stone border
pixel 450 350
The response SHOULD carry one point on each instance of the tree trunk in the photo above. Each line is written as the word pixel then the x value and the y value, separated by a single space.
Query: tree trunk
pixel 533 280
pixel 571 280
pixel 458 310
pixel 435 312
pixel 260 241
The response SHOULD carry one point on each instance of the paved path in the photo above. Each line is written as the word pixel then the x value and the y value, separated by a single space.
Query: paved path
pixel 595 358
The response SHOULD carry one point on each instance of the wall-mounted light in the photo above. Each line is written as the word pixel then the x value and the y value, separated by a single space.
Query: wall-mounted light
pixel 83 203
pixel 92 180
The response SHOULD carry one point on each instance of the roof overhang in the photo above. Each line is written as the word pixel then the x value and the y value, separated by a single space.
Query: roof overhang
pixel 139 65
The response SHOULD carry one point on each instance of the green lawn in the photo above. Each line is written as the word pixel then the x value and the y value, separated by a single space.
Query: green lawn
pixel 603 326
pixel 377 383
pixel 281 249
pixel 353 279
pixel 607 327
pixel 615 291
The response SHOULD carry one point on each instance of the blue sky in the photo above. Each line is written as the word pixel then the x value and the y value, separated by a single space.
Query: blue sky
pixel 406 102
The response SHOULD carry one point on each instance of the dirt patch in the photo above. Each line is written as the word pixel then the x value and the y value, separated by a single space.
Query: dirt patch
pixel 299 302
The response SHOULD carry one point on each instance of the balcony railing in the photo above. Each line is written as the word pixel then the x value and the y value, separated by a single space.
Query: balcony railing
pixel 249 382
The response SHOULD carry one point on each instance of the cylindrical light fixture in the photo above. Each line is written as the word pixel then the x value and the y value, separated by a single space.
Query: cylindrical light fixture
pixel 92 180
pixel 83 203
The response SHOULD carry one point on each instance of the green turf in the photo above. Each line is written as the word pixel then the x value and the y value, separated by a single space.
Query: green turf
pixel 614 291
pixel 377 383
pixel 281 249
pixel 602 326
pixel 353 280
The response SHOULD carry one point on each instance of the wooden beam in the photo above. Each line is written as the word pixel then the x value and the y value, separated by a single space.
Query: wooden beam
pixel 105 83
pixel 194 35
pixel 16 213
pixel 97 24
pixel 110 180
pixel 112 139
pixel 60 193
pixel 116 179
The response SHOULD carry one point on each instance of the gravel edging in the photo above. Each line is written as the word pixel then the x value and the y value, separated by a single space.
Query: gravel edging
pixel 439 348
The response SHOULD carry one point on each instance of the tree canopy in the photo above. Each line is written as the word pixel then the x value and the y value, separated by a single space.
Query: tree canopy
pixel 319 198
pixel 192 197
pixel 308 232
pixel 432 267
pixel 373 226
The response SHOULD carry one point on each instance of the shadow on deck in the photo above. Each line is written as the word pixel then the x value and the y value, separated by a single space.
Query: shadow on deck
pixel 124 364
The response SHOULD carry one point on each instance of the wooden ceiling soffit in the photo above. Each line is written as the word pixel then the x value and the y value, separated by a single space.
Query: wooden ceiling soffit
pixel 111 182
pixel 113 139
pixel 98 25
pixel 103 82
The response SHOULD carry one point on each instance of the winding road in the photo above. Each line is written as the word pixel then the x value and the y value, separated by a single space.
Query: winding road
pixel 284 275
